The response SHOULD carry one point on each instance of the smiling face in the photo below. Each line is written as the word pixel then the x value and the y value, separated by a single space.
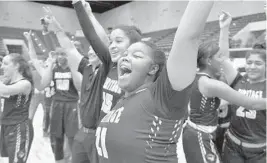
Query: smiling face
pixel 135 67
pixel 61 57
pixel 255 67
pixel 119 42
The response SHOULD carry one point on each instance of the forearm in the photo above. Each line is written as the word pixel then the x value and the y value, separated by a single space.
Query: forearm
pixel 99 29
pixel 194 19
pixel 224 42
pixel 39 68
pixel 3 89
pixel 225 92
pixel 33 108
pixel 73 56
pixel 51 40
pixel 32 52
pixel 229 70
pixel 183 55
pixel 90 33
pixel 46 77
pixel 77 79
pixel 258 104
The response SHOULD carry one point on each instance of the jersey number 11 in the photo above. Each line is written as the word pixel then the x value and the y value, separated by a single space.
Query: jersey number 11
pixel 101 141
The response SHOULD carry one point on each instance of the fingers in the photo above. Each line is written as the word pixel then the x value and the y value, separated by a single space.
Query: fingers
pixel 227 14
pixel 47 10
pixel 27 35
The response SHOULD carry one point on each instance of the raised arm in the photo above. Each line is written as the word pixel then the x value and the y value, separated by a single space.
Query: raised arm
pixel 97 26
pixel 215 88
pixel 73 56
pixel 229 71
pixel 50 38
pixel 182 61
pixel 32 53
pixel 77 79
pixel 21 87
pixel 47 74
pixel 90 33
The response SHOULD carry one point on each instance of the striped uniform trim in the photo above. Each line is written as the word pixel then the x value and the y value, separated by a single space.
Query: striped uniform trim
pixel 202 148
pixel 27 142
pixel 18 142
pixel 214 150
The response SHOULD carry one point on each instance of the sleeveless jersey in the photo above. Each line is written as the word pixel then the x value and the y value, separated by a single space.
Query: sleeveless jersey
pixel 64 86
pixel 145 126
pixel 249 125
pixel 15 108
pixel 203 110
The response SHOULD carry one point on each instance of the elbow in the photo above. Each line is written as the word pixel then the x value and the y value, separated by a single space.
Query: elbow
pixel 78 86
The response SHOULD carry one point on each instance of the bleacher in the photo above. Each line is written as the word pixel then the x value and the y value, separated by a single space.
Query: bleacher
pixel 17 33
pixel 165 39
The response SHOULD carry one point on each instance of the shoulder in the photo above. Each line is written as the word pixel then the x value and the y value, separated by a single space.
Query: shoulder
pixel 25 83
pixel 207 86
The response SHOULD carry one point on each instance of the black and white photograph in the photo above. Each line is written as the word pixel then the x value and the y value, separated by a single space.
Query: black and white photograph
pixel 143 81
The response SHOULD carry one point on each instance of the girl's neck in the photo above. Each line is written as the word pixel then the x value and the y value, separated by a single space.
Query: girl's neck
pixel 207 71
pixel 139 89
pixel 63 66
pixel 16 77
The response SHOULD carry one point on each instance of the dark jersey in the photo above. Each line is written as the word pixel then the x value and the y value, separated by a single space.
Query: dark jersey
pixel 91 93
pixel 105 77
pixel 15 109
pixel 249 125
pixel 64 86
pixel 203 110
pixel 111 92
pixel 145 126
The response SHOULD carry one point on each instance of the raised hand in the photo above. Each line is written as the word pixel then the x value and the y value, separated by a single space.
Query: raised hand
pixel 51 19
pixel 75 1
pixel 87 6
pixel 225 19
pixel 48 14
pixel 28 36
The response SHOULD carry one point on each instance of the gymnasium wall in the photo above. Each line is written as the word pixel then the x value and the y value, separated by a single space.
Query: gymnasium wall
pixel 152 16
pixel 25 14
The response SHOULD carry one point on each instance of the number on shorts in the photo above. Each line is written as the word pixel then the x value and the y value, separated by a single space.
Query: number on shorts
pixel 63 84
pixel 107 102
pixel 101 141
pixel 250 114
